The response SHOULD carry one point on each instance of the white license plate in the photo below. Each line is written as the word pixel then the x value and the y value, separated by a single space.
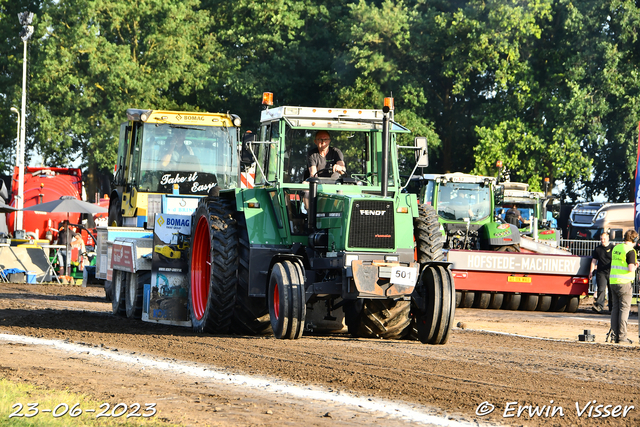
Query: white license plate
pixel 404 276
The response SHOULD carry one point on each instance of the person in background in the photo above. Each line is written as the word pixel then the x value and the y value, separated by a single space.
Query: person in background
pixel 78 243
pixel 62 240
pixel 601 262
pixel 624 262
pixel 514 216
pixel 175 149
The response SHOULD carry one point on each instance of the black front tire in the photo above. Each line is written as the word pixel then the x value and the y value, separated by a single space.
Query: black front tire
pixel 436 316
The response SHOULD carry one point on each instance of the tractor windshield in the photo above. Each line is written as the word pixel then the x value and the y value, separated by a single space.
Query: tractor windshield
pixel 196 158
pixel 459 201
pixel 300 144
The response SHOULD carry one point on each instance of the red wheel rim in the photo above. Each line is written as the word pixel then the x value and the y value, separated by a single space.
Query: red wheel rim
pixel 200 268
pixel 276 301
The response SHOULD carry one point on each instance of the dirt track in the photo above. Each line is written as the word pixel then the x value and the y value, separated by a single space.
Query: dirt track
pixel 454 379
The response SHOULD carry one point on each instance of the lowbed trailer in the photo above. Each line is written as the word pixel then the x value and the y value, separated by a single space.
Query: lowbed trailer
pixel 525 281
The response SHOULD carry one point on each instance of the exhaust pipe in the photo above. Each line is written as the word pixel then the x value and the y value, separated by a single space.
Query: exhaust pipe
pixel 384 181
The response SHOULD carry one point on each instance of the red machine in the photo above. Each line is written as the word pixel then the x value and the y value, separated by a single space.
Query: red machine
pixel 45 184
pixel 518 280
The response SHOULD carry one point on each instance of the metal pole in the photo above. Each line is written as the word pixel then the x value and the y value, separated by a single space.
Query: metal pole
pixel 15 110
pixel 20 159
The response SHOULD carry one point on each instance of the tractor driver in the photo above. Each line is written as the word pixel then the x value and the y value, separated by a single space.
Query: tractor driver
pixel 325 161
pixel 175 149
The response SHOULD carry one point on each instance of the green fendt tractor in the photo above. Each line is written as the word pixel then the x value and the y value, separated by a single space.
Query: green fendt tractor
pixel 466 209
pixel 353 245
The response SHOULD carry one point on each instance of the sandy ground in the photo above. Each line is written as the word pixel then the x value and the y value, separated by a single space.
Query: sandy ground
pixel 501 359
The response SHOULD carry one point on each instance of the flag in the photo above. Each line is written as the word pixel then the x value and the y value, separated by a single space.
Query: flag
pixel 636 217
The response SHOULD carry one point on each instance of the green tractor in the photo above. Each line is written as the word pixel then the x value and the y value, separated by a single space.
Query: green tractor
pixel 533 207
pixel 466 210
pixel 353 245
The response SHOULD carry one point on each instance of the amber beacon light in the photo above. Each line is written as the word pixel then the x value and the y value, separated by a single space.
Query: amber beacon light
pixel 267 98
pixel 388 102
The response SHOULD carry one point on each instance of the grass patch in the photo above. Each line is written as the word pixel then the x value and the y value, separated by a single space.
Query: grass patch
pixel 63 402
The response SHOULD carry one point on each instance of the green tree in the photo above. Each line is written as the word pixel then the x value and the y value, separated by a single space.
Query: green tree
pixel 99 57
pixel 11 60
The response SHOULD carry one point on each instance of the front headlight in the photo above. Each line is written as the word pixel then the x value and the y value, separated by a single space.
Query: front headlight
pixel 601 215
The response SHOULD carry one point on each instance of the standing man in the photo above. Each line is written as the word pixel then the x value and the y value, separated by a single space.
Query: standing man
pixel 601 262
pixel 324 160
pixel 624 262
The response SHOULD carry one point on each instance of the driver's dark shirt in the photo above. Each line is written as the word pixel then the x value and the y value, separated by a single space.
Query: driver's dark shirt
pixel 323 163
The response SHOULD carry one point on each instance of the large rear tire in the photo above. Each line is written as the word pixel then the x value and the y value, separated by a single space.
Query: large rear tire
pixel 287 305
pixel 115 211
pixel 378 318
pixel 214 265
pixel 426 231
pixel 133 295
pixel 251 314
pixel 118 299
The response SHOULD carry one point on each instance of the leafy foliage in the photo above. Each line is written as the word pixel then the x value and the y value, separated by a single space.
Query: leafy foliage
pixel 550 87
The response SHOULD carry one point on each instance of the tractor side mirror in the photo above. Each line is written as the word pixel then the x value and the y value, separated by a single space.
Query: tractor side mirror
pixel 422 156
pixel 246 157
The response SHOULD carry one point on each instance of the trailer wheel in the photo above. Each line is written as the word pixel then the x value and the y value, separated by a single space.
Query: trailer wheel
pixel 467 299
pixel 435 320
pixel 559 303
pixel 108 290
pixel 133 296
pixel 378 318
pixel 496 301
pixel 458 298
pixel 572 305
pixel 511 301
pixel 214 265
pixel 529 302
pixel 251 314
pixel 118 299
pixel 482 300
pixel 287 305
pixel 544 303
